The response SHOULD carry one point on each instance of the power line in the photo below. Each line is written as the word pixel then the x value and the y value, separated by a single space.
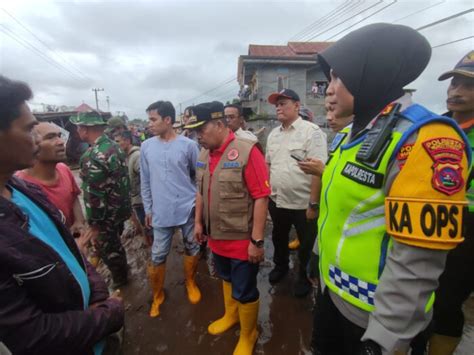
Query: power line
pixel 320 21
pixel 418 11
pixel 365 18
pixel 224 83
pixel 43 43
pixel 352 7
pixel 35 50
pixel 444 19
pixel 338 24
pixel 455 41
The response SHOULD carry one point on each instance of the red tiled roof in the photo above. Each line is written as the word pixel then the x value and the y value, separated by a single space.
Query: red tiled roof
pixel 293 49
pixel 84 108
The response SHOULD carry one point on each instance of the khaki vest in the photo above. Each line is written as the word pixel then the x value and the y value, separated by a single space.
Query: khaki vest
pixel 230 214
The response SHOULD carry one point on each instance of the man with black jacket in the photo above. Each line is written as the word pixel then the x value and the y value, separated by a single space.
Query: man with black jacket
pixel 52 301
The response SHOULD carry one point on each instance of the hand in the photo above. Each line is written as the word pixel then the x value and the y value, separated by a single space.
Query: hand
pixel 312 214
pixel 94 231
pixel 148 221
pixel 199 235
pixel 256 255
pixel 84 240
pixel 312 166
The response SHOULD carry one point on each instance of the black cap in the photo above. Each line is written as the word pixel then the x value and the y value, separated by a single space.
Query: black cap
pixel 285 93
pixel 204 113
pixel 465 67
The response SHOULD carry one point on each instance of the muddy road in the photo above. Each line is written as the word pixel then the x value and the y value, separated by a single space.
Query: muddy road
pixel 181 328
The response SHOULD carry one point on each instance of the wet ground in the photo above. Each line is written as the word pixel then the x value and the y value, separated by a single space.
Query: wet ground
pixel 181 328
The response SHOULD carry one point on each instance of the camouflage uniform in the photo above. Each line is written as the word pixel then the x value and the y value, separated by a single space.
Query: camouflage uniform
pixel 106 188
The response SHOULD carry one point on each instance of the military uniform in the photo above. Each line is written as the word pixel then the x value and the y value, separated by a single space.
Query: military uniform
pixel 106 187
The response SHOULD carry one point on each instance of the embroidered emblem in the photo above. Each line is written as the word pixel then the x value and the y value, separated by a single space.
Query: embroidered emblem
pixel 403 154
pixel 336 142
pixel 362 175
pixel 200 165
pixel 231 164
pixel 446 154
pixel 233 154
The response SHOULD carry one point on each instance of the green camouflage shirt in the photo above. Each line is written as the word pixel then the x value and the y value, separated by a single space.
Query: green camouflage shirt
pixel 105 183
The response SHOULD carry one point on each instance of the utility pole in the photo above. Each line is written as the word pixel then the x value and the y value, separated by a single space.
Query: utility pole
pixel 108 103
pixel 96 99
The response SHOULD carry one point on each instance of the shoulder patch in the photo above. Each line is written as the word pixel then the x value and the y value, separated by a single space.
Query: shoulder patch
pixel 231 164
pixel 200 165
pixel 403 154
pixel 362 175
pixel 446 154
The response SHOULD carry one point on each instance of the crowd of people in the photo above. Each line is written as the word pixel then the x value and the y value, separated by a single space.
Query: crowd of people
pixel 383 213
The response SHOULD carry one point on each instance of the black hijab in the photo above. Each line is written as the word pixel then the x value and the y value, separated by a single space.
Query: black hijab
pixel 375 62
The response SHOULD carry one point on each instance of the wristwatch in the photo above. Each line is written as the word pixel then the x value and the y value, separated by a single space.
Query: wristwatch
pixel 314 205
pixel 257 243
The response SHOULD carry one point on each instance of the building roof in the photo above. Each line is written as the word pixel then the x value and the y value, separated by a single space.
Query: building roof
pixel 292 49
pixel 84 108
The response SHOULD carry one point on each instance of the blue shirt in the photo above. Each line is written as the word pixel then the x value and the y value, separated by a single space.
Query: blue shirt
pixel 167 173
pixel 43 228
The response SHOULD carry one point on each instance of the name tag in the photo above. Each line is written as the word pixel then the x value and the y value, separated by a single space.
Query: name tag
pixel 200 165
pixel 433 224
pixel 362 175
pixel 231 165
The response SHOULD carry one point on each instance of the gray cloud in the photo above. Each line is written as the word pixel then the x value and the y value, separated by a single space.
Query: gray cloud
pixel 144 51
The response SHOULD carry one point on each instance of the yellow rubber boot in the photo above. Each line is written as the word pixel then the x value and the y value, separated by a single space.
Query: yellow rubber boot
pixel 190 266
pixel 294 244
pixel 231 315
pixel 248 315
pixel 156 275
pixel 442 344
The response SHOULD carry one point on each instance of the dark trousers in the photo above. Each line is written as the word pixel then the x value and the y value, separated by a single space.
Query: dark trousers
pixel 140 214
pixel 283 219
pixel 241 274
pixel 334 334
pixel 111 250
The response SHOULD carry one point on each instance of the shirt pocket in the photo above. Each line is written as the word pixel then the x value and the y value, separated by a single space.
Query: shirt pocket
pixel 298 149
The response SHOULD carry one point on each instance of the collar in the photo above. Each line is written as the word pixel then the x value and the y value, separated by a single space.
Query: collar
pixel 223 147
pixel 294 125
pixel 133 150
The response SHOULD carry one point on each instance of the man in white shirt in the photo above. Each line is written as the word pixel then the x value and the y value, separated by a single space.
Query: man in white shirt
pixel 295 195
pixel 235 121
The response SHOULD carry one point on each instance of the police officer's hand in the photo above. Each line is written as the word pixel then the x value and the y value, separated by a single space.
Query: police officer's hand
pixel 148 221
pixel 199 233
pixel 312 166
pixel 256 255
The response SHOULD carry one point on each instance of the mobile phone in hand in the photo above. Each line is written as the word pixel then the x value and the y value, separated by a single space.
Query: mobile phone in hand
pixel 297 158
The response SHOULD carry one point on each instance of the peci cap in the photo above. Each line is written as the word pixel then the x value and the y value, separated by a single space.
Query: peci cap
pixel 204 113
pixel 285 93
pixel 464 67
pixel 92 118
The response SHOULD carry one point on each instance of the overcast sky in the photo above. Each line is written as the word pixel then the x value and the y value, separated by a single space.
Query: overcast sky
pixel 143 51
